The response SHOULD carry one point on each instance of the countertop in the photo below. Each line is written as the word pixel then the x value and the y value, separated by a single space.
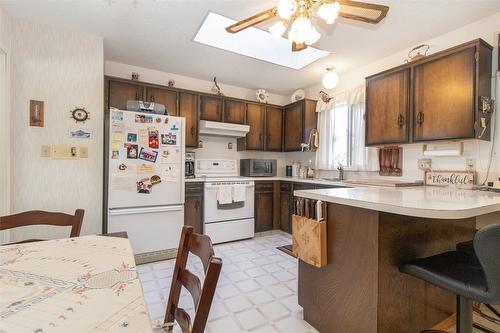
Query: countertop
pixel 318 181
pixel 419 201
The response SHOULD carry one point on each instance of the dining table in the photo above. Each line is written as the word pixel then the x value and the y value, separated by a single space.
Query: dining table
pixel 81 284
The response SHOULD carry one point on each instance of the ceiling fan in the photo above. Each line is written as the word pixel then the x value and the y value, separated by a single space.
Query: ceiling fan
pixel 296 15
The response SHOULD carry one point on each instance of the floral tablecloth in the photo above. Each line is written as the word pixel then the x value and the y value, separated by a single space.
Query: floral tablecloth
pixel 84 284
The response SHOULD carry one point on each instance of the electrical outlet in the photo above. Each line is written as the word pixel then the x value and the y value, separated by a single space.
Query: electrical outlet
pixel 470 164
pixel 425 164
pixel 229 145
pixel 45 152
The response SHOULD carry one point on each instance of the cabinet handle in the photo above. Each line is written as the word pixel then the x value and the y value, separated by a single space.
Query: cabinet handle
pixel 268 138
pixel 401 120
pixel 197 204
pixel 137 95
pixel 420 118
pixel 192 130
pixel 152 98
pixel 260 137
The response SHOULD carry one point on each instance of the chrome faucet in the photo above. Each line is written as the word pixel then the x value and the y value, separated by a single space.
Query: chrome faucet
pixel 340 168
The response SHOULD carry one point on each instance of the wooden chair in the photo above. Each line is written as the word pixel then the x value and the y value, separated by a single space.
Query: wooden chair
pixel 201 246
pixel 38 217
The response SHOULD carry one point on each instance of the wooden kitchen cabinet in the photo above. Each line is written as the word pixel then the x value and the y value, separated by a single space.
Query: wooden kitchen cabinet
pixel 234 111
pixel 286 206
pixel 163 96
pixel 193 206
pixel 274 128
pixel 299 119
pixel 255 119
pixel 434 98
pixel 119 92
pixel 188 108
pixel 388 107
pixel 445 96
pixel 264 205
pixel 211 107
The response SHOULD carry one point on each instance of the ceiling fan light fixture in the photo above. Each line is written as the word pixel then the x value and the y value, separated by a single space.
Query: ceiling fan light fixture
pixel 278 29
pixel 330 79
pixel 329 11
pixel 286 8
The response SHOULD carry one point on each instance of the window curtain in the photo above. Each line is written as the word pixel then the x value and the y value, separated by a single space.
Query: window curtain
pixel 362 158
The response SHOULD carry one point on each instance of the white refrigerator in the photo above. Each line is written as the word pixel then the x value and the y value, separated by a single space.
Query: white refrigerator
pixel 146 179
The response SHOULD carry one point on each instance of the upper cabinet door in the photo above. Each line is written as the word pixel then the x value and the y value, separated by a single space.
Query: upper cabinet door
pixel 188 108
pixel 234 111
pixel 444 97
pixel 293 126
pixel 165 97
pixel 255 119
pixel 121 92
pixel 274 128
pixel 388 108
pixel 210 108
pixel 310 118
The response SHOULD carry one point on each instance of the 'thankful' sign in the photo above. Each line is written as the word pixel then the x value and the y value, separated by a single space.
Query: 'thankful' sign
pixel 462 179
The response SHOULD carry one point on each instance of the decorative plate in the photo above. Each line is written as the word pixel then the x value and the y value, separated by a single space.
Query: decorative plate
pixel 298 95
pixel 262 95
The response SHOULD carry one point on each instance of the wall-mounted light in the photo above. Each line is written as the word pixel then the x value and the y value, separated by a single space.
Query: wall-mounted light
pixel 330 79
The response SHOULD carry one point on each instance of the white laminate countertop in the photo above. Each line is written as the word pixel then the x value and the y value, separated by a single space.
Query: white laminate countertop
pixel 318 181
pixel 419 201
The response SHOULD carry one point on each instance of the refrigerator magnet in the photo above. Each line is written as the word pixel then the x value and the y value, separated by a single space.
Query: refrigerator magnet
pixel 153 139
pixel 144 119
pixel 115 154
pixel 145 168
pixel 147 154
pixel 117 115
pixel 174 128
pixel 132 137
pixel 144 186
pixel 155 179
pixel 158 119
pixel 169 139
pixel 132 151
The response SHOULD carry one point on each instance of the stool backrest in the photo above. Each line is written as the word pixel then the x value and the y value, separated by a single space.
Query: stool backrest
pixel 201 246
pixel 487 248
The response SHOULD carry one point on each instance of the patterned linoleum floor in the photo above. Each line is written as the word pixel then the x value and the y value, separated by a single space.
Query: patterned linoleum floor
pixel 257 289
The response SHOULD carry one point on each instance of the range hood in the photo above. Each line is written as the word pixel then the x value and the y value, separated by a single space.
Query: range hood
pixel 223 129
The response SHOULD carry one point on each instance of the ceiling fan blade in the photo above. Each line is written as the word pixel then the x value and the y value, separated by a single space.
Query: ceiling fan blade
pixel 362 11
pixel 252 20
pixel 298 46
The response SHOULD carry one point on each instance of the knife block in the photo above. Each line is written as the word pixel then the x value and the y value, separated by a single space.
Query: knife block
pixel 390 160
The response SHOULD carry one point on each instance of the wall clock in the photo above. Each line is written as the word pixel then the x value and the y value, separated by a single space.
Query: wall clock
pixel 80 115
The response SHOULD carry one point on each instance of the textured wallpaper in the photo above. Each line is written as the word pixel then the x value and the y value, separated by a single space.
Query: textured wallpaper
pixel 64 69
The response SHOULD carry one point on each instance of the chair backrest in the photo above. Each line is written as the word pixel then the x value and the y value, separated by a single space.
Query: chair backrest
pixel 487 248
pixel 201 246
pixel 38 217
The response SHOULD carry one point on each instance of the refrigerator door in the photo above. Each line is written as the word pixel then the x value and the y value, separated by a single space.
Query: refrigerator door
pixel 149 229
pixel 146 166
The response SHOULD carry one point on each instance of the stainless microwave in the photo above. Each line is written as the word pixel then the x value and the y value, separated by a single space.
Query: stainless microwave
pixel 251 167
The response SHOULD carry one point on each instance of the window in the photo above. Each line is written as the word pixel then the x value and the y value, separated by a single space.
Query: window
pixel 342 134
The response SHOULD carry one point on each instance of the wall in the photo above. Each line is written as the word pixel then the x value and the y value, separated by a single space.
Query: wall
pixel 64 69
pixel 487 29
pixel 213 147
pixel 5 49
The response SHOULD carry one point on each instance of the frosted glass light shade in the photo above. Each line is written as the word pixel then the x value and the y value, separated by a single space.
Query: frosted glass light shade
pixel 330 80
pixel 286 8
pixel 329 12
pixel 277 29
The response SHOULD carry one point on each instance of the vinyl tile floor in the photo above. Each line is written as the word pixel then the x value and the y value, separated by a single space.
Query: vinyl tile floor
pixel 257 289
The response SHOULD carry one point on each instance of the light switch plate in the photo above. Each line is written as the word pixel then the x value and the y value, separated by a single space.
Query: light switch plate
pixel 45 151
pixel 64 152
pixel 84 152
pixel 425 164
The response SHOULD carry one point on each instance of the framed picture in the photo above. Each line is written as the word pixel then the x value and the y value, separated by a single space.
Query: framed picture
pixel 36 113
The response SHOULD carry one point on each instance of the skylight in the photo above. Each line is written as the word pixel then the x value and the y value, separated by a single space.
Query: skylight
pixel 254 43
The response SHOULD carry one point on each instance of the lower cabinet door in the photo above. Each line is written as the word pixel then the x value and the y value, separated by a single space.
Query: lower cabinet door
pixel 286 211
pixel 193 215
pixel 263 211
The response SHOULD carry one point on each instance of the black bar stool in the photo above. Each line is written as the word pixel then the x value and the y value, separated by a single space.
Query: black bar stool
pixel 458 272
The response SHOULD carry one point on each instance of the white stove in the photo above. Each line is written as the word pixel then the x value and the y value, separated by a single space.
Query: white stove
pixel 231 218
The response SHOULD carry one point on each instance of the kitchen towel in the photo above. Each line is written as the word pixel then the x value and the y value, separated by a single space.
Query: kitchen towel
pixel 239 192
pixel 224 194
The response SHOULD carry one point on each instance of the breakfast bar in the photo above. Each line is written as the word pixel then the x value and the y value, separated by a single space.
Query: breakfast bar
pixel 370 232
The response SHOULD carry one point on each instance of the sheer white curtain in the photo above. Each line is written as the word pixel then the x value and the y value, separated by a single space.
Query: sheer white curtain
pixel 351 104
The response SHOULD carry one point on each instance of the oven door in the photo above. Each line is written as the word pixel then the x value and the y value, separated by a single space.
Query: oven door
pixel 235 211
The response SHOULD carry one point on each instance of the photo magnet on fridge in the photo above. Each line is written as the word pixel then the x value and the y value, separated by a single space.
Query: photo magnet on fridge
pixel 115 154
pixel 144 186
pixel 117 115
pixel 147 154
pixel 141 118
pixel 132 151
pixel 153 139
pixel 132 137
pixel 169 139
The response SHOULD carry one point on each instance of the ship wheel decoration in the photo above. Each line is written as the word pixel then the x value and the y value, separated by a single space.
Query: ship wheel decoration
pixel 80 115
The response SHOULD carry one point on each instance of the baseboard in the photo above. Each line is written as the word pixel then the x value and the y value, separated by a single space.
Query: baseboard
pixel 148 257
